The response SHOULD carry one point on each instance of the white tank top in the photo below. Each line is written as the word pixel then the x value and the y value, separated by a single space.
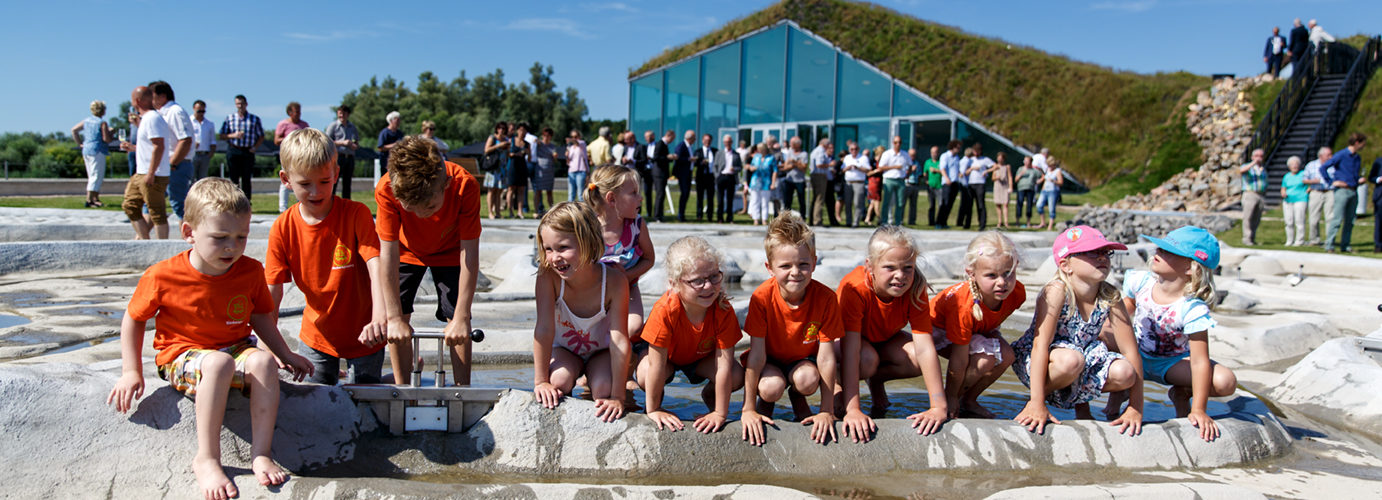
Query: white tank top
pixel 581 336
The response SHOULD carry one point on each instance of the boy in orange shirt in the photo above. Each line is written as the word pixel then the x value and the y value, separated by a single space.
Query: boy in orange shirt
pixel 429 219
pixel 207 300
pixel 691 329
pixel 793 321
pixel 328 247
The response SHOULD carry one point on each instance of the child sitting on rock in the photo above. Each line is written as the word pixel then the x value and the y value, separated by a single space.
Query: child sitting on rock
pixel 692 329
pixel 207 300
pixel 579 333
pixel 878 300
pixel 1061 357
pixel 328 247
pixel 965 318
pixel 1170 315
pixel 792 323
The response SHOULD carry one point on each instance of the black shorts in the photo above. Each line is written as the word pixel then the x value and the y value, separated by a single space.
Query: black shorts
pixel 445 278
pixel 641 348
pixel 784 367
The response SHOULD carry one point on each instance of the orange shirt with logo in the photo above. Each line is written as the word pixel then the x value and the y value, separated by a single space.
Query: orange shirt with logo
pixel 327 262
pixel 669 328
pixel 192 310
pixel 952 310
pixel 865 312
pixel 793 333
pixel 436 240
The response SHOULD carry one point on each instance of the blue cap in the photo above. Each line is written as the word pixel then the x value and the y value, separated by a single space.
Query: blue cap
pixel 1190 242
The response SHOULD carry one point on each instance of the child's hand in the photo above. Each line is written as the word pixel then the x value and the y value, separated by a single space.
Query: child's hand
pixel 822 425
pixel 609 410
pixel 1209 430
pixel 665 420
pixel 710 422
pixel 547 394
pixel 456 333
pixel 129 388
pixel 859 426
pixel 299 366
pixel 1034 417
pixel 399 331
pixel 1130 420
pixel 752 424
pixel 374 333
pixel 929 421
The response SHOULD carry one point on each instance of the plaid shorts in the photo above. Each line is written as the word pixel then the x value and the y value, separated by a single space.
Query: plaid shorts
pixel 185 371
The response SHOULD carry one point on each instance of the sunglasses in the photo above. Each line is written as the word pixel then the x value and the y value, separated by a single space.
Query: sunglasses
pixel 1094 254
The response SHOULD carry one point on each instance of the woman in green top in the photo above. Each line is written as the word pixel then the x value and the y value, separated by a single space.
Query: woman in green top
pixel 1295 195
pixel 1027 177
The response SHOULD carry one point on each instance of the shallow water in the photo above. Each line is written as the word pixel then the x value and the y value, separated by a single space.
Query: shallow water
pixel 9 320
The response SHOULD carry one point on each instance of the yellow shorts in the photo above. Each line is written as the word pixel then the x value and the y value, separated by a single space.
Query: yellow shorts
pixel 185 371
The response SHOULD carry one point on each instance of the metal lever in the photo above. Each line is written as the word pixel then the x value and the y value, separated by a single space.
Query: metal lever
pixel 476 335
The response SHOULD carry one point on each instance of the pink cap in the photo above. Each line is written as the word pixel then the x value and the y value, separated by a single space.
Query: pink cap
pixel 1081 239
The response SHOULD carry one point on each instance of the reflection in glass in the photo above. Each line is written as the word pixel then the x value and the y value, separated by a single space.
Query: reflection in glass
pixel 810 88
pixel 683 93
pixel 863 93
pixel 645 104
pixel 720 99
pixel 763 70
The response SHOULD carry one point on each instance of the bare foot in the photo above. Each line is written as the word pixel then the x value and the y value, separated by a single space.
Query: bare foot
pixel 1082 412
pixel 765 408
pixel 212 479
pixel 801 408
pixel 1115 404
pixel 976 410
pixel 267 472
pixel 879 394
pixel 1180 397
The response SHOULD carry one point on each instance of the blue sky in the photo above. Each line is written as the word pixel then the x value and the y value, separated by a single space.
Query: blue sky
pixel 61 55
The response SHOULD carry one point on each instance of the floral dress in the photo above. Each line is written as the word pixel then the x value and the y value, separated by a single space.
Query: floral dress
pixel 1072 332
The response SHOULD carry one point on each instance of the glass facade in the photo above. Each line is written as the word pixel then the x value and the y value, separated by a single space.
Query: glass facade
pixel 787 82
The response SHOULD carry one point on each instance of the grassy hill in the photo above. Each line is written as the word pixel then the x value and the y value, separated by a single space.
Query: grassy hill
pixel 1122 130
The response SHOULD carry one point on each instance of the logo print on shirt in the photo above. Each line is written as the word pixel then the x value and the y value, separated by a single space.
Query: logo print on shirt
pixel 341 256
pixel 238 308
pixel 811 332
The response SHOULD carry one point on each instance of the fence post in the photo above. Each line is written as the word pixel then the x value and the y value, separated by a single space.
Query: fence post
pixel 376 174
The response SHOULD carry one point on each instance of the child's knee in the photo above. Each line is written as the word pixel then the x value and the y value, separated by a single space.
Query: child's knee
pixel 1066 361
pixel 868 362
pixel 806 380
pixel 1225 382
pixel 1121 375
pixel 770 389
pixel 217 363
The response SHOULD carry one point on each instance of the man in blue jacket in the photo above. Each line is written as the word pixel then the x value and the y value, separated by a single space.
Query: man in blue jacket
pixel 1273 52
pixel 1348 172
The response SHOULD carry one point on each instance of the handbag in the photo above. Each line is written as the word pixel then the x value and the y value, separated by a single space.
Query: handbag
pixel 493 161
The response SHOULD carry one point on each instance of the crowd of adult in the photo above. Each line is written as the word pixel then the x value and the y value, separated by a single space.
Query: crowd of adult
pixel 1326 188
pixel 1303 39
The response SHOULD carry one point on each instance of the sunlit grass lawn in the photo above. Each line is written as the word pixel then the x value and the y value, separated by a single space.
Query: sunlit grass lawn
pixel 1271 234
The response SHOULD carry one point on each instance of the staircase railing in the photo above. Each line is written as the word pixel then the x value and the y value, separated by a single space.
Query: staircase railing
pixel 1364 64
pixel 1283 109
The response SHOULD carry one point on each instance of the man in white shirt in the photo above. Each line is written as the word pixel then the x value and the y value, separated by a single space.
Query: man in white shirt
pixel 1039 160
pixel 150 179
pixel 1318 35
pixel 823 166
pixel 856 168
pixel 894 163
pixel 978 172
pixel 179 156
pixel 204 141
pixel 792 175
pixel 1320 205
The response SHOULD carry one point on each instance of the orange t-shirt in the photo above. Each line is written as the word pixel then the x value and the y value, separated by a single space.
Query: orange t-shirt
pixel 436 240
pixel 793 334
pixel 865 312
pixel 952 310
pixel 196 311
pixel 669 328
pixel 327 261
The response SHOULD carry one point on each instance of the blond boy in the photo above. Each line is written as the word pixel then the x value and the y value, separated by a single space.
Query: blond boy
pixel 207 299
pixel 328 247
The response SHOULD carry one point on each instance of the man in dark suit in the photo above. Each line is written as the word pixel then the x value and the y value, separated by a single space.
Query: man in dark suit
pixel 1274 51
pixel 1375 176
pixel 1299 45
pixel 726 167
pixel 662 168
pixel 642 162
pixel 705 178
pixel 681 168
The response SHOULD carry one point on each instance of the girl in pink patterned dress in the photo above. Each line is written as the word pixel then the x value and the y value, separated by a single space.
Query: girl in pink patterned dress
pixel 614 195
pixel 575 336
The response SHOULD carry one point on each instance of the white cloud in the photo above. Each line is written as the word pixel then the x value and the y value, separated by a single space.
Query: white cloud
pixel 555 25
pixel 609 6
pixel 325 37
pixel 1124 5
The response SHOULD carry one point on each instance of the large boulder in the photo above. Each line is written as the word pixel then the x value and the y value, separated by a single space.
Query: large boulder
pixel 1337 383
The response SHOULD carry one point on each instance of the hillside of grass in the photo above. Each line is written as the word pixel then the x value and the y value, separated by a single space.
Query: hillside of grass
pixel 1104 124
pixel 1367 116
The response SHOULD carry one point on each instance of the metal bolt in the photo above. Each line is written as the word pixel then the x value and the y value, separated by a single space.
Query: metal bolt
pixel 393 393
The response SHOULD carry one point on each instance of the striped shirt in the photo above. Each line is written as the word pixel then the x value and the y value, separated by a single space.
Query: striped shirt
pixel 249 124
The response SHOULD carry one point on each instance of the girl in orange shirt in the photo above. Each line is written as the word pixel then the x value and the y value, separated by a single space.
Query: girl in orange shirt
pixel 582 333
pixel 965 318
pixel 877 300
pixel 692 329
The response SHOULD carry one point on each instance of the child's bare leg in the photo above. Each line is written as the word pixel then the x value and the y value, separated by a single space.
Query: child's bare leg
pixel 806 379
pixel 217 369
pixel 1115 404
pixel 771 385
pixel 565 368
pixel 599 374
pixel 460 363
pixel 1121 377
pixel 261 374
pixel 895 361
pixel 705 368
pixel 1082 412
pixel 989 371
pixel 1180 397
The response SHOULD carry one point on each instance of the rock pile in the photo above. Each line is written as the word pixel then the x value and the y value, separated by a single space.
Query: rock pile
pixel 1221 119
pixel 1123 226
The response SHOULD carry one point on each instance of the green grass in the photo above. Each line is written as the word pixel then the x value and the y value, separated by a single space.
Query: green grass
pixel 1271 235
pixel 1104 124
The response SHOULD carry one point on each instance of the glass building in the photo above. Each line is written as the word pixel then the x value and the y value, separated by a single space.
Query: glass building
pixel 786 81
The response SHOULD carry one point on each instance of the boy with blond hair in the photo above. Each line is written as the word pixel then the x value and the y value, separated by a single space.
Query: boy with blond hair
pixel 429 220
pixel 328 247
pixel 207 299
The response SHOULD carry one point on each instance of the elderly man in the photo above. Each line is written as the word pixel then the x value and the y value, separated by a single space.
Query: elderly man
pixel 726 166
pixel 1274 51
pixel 894 162
pixel 1321 202
pixel 1299 45
pixel 150 180
pixel 388 137
pixel 599 150
pixel 292 123
pixel 179 157
pixel 347 140
pixel 204 131
pixel 643 163
pixel 243 132
pixel 792 175
pixel 705 178
pixel 1254 176
pixel 661 157
pixel 823 166
pixel 1347 168
pixel 1318 35
pixel 681 169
